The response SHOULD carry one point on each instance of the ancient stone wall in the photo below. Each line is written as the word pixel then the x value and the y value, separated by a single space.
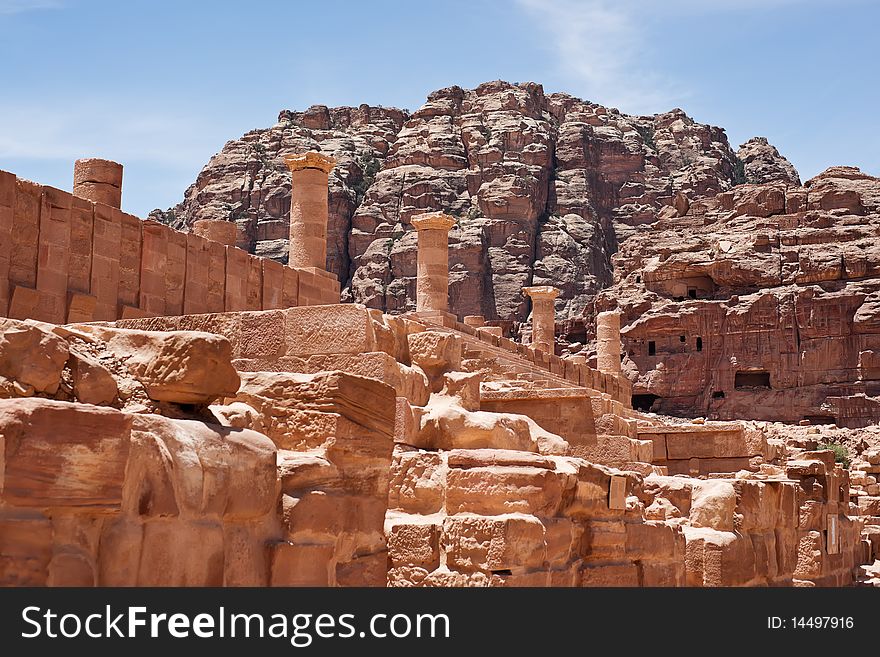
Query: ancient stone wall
pixel 68 259
pixel 116 471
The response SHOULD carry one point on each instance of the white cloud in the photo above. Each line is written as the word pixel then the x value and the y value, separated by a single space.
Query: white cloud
pixel 8 7
pixel 604 48
pixel 601 46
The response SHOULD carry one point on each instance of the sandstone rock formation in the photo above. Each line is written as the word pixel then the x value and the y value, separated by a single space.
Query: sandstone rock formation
pixel 544 187
pixel 465 459
pixel 293 442
pixel 762 163
pixel 758 303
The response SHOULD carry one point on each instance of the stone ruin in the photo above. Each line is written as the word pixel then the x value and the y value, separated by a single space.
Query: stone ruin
pixel 175 411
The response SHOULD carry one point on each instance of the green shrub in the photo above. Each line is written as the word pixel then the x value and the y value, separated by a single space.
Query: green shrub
pixel 841 453
pixel 739 171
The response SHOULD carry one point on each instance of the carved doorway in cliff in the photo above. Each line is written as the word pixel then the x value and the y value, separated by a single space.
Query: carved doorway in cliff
pixel 644 402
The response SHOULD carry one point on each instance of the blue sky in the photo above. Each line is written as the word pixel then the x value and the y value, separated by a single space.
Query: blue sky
pixel 161 85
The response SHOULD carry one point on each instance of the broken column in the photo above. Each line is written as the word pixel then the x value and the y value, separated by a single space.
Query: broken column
pixel 432 281
pixel 608 342
pixel 216 230
pixel 543 317
pixel 308 209
pixel 98 180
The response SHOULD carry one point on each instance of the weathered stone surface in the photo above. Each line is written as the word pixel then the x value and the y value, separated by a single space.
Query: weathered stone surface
pixel 762 163
pixel 31 354
pixel 184 367
pixel 544 186
pixel 759 303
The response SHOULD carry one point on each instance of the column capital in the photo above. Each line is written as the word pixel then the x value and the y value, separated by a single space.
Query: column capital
pixel 432 220
pixel 309 160
pixel 542 291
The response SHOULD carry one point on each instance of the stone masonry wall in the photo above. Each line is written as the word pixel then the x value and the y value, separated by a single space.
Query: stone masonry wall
pixel 66 259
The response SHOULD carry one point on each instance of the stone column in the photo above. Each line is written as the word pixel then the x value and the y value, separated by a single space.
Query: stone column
pixel 608 342
pixel 216 230
pixel 432 283
pixel 543 317
pixel 308 209
pixel 99 181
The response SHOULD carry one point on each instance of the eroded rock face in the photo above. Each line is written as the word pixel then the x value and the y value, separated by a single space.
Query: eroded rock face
pixel 332 478
pixel 544 188
pixel 758 303
pixel 184 367
pixel 248 183
pixel 155 501
pixel 762 163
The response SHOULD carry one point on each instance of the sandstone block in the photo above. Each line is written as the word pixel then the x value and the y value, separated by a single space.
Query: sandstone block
pixel 414 544
pixel 417 482
pixel 82 466
pixel 713 504
pixel 184 367
pixel 652 540
pixel 616 574
pixel 25 551
pixel 32 354
pixel 92 382
pixel 504 489
pixel 474 542
pixel 302 565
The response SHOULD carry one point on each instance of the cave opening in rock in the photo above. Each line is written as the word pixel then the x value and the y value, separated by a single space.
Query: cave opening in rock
pixel 644 401
pixel 692 292
pixel 652 348
pixel 752 379
pixel 718 394
pixel 699 344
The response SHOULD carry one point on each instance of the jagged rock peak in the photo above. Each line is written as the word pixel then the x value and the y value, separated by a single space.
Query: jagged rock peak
pixel 762 163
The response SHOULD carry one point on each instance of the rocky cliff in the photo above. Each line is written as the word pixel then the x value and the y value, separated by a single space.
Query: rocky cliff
pixel 762 302
pixel 545 188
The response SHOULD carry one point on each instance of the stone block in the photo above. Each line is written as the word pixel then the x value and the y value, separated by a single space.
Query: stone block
pixel 24 303
pixel 414 544
pixel 154 265
pixel 130 253
pixel 473 542
pixel 25 234
pixel 273 284
pixel 184 367
pixel 82 466
pixel 651 540
pixel 706 444
pixel 615 574
pixel 617 492
pixel 302 565
pixel 177 552
pixel 81 308
pixel 80 260
pixel 198 262
pixel 106 249
pixel 290 288
pixel 237 268
pixel 254 289
pixel 416 482
pixel 364 570
pixel 504 489
pixel 25 550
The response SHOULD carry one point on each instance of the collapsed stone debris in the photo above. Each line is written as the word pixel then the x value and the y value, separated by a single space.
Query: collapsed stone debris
pixel 175 411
